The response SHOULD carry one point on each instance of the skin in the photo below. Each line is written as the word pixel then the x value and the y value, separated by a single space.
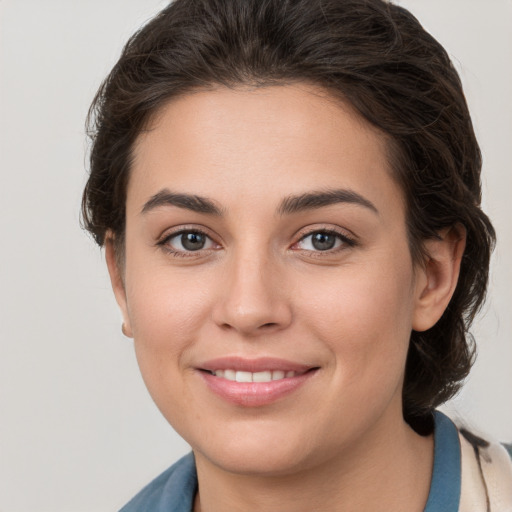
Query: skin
pixel 260 288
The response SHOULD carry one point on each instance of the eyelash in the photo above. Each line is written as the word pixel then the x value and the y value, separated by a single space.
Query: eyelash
pixel 346 241
pixel 164 243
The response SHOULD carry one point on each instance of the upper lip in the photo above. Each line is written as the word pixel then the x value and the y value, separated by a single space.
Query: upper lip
pixel 254 365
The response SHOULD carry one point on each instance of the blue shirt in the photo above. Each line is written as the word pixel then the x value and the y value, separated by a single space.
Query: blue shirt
pixel 174 490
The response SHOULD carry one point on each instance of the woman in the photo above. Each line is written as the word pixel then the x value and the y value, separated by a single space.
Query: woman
pixel 288 195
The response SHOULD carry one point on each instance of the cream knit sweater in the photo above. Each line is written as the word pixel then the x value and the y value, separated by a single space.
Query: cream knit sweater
pixel 486 484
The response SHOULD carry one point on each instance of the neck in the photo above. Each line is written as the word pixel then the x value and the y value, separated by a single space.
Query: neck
pixel 382 472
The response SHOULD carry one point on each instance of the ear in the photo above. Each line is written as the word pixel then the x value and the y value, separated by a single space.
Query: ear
pixel 437 279
pixel 117 281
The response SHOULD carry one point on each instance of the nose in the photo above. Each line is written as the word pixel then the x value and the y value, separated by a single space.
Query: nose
pixel 253 297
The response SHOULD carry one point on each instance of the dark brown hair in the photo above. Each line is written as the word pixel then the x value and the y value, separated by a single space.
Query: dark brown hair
pixel 371 53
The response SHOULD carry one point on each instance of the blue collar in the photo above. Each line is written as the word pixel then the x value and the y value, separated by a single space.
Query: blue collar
pixel 444 495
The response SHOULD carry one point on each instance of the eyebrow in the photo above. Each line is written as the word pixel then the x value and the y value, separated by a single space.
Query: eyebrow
pixel 313 200
pixel 289 205
pixel 187 201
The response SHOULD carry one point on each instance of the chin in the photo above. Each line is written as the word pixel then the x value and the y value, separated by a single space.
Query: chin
pixel 263 463
pixel 254 453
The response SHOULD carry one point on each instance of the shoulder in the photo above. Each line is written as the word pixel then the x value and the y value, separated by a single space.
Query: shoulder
pixel 486 468
pixel 173 491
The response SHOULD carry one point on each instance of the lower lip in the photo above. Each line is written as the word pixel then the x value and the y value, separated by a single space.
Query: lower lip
pixel 254 394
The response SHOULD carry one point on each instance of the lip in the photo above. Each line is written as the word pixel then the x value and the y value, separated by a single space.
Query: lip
pixel 254 394
pixel 254 365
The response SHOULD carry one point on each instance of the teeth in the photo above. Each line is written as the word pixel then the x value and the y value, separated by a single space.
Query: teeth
pixel 228 374
pixel 243 377
pixel 264 376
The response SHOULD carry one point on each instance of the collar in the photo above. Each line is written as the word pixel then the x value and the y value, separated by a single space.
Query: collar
pixel 445 486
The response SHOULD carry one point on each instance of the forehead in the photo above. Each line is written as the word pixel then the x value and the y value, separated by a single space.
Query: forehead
pixel 282 139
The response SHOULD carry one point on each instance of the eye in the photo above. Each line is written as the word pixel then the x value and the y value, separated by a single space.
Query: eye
pixel 188 241
pixel 323 240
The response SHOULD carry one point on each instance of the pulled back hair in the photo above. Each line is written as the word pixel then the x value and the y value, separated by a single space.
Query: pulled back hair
pixel 369 53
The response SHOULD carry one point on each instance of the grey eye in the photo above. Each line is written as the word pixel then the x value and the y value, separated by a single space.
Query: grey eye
pixel 322 241
pixel 189 241
pixel 193 241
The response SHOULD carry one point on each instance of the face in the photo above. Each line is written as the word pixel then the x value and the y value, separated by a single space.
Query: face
pixel 268 282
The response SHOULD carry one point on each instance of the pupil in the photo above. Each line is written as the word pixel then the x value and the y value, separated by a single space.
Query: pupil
pixel 192 241
pixel 323 241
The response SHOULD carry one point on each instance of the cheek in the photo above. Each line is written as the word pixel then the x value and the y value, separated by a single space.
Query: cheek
pixel 166 311
pixel 167 315
pixel 364 316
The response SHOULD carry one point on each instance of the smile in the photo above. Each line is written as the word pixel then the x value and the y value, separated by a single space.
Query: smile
pixel 254 383
pixel 263 376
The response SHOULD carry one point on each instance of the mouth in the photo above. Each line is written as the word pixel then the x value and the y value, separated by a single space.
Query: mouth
pixel 261 376
pixel 254 383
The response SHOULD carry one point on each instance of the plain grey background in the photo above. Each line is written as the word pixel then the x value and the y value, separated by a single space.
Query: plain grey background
pixel 78 431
